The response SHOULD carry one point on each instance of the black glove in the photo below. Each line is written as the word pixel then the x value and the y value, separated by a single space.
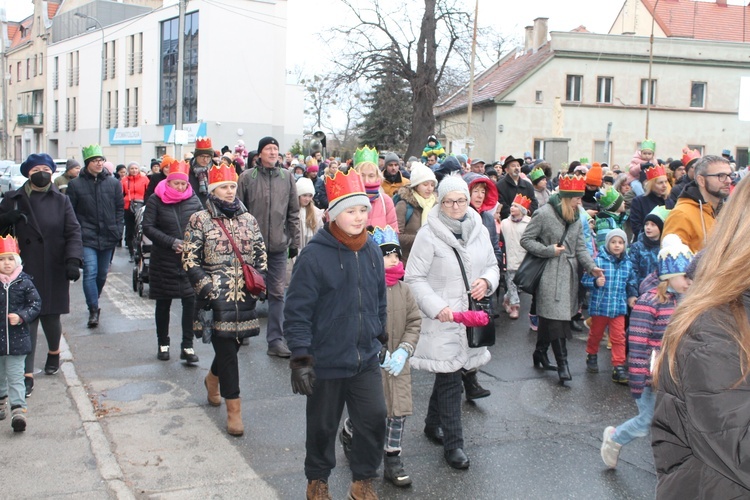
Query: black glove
pixel 303 375
pixel 11 218
pixel 73 269
pixel 293 252
pixel 646 165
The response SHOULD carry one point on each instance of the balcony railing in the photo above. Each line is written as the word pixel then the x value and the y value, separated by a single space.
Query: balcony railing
pixel 55 80
pixel 112 118
pixel 55 123
pixel 30 119
pixel 130 116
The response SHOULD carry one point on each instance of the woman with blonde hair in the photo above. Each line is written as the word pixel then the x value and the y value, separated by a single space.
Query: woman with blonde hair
pixel 383 212
pixel 555 233
pixel 655 193
pixel 700 432
pixel 332 168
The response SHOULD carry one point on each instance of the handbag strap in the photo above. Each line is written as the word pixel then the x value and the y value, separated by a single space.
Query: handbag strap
pixel 565 233
pixel 463 272
pixel 231 240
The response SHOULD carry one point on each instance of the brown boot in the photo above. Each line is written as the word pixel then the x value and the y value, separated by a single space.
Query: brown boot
pixel 318 490
pixel 362 490
pixel 234 417
pixel 212 386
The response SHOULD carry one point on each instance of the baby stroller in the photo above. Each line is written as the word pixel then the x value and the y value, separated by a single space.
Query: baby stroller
pixel 142 253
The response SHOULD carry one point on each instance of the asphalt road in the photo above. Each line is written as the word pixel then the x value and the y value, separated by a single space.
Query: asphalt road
pixel 530 439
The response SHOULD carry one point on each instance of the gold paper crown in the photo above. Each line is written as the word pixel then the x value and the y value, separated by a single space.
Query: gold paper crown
pixel 365 154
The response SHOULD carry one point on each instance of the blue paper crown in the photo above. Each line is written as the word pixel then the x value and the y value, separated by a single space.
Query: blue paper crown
pixel 384 236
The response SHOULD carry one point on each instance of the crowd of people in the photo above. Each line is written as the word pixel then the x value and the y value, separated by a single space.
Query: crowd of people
pixel 373 266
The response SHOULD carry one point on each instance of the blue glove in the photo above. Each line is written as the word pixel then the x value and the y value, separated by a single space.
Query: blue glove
pixel 385 357
pixel 397 361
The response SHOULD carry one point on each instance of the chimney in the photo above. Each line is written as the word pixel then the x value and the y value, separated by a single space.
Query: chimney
pixel 528 44
pixel 540 32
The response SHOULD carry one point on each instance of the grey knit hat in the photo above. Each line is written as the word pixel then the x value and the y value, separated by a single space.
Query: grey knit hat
pixel 452 183
pixel 391 157
pixel 352 200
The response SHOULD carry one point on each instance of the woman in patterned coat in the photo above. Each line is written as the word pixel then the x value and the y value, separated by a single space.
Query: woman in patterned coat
pixel 218 280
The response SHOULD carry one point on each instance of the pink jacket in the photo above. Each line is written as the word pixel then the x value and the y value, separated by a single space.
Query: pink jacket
pixel 382 212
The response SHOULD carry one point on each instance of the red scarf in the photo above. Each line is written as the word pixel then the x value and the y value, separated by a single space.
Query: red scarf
pixel 394 274
pixel 353 243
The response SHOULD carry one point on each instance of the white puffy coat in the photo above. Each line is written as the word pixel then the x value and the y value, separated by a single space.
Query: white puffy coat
pixel 436 282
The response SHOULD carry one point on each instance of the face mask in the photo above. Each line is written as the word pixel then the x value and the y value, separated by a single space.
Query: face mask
pixel 40 179
pixel 297 176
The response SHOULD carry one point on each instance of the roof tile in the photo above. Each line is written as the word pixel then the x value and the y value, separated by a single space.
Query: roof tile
pixel 702 20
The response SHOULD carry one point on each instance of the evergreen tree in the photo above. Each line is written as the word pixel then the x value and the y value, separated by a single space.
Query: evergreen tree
pixel 387 124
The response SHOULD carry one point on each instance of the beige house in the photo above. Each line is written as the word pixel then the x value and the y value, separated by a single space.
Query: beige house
pixel 573 95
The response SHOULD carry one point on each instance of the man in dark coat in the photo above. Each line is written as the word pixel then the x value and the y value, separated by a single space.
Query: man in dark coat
pixel 199 166
pixel 49 237
pixel 512 184
pixel 98 203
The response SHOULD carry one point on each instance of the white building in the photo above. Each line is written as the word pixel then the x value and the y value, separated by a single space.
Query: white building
pixel 557 96
pixel 234 79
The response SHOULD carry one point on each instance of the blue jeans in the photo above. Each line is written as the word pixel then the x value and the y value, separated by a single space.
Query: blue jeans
pixel 639 425
pixel 11 380
pixel 95 269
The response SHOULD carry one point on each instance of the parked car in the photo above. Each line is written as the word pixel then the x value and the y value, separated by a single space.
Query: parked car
pixel 11 178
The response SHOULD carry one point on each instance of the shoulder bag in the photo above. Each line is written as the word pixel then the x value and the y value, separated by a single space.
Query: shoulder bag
pixel 254 282
pixel 478 336
pixel 530 271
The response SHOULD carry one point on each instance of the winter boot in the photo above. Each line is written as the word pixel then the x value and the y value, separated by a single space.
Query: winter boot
pixel 592 363
pixel 18 419
pixel 2 407
pixel 52 365
pixel 235 426
pixel 393 470
pixel 212 387
pixel 541 361
pixel 362 490
pixel 619 375
pixel 317 489
pixel 472 387
pixel 561 356
pixel 93 317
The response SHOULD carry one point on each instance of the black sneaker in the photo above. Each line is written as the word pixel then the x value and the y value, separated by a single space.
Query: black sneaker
pixel 346 441
pixel 188 354
pixel 163 354
pixel 52 365
pixel 620 375
pixel 29 381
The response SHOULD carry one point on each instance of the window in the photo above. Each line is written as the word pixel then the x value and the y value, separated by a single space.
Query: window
pixel 604 90
pixel 10 74
pixel 106 61
pixel 168 90
pixel 644 92
pixel 41 63
pixel 573 88
pixel 698 95
pixel 73 121
pixel 538 148
pixel 28 68
pixel 539 96
pixel 55 117
pixel 18 71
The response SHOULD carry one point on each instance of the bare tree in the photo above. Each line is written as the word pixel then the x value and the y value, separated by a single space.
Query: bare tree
pixel 418 51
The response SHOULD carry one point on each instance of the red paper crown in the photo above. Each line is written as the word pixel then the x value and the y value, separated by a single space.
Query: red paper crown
pixel 222 173
pixel 179 167
pixel 203 143
pixel 9 244
pixel 523 201
pixel 573 183
pixel 343 184
pixel 654 172
pixel 688 155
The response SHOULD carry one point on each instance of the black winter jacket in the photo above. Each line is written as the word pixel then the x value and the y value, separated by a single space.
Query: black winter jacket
pixel 507 191
pixel 640 207
pixel 700 433
pixel 163 224
pixel 48 238
pixel 336 306
pixel 20 297
pixel 99 206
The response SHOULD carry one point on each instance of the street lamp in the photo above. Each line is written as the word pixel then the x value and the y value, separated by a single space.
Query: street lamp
pixel 101 75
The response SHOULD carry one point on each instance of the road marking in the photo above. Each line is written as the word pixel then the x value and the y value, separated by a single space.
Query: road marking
pixel 120 292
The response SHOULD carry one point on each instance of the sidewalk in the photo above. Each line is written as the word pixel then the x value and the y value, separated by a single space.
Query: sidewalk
pixel 119 429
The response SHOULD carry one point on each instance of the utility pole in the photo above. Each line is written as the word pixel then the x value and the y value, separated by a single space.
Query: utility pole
pixel 471 81
pixel 649 90
pixel 180 73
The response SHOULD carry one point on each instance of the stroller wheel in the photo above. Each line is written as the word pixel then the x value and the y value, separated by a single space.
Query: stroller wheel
pixel 135 279
pixel 140 289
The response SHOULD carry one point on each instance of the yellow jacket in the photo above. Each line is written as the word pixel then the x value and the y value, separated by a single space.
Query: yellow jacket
pixel 691 219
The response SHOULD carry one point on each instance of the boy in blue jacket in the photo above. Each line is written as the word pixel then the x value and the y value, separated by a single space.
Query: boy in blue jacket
pixel 609 303
pixel 334 323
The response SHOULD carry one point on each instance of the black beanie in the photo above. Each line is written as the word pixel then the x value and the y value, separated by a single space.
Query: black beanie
pixel 265 142
pixel 674 165
pixel 656 220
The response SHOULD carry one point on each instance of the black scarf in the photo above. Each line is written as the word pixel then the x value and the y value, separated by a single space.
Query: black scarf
pixel 228 209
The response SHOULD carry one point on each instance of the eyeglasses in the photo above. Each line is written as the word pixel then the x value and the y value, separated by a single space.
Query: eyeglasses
pixel 452 203
pixel 723 177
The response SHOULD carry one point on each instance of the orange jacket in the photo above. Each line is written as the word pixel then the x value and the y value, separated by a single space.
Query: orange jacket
pixel 691 219
pixel 134 188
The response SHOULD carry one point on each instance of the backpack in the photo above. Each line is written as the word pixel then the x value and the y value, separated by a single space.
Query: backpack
pixel 409 208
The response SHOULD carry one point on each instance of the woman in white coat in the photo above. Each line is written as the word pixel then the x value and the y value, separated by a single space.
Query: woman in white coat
pixel 437 284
